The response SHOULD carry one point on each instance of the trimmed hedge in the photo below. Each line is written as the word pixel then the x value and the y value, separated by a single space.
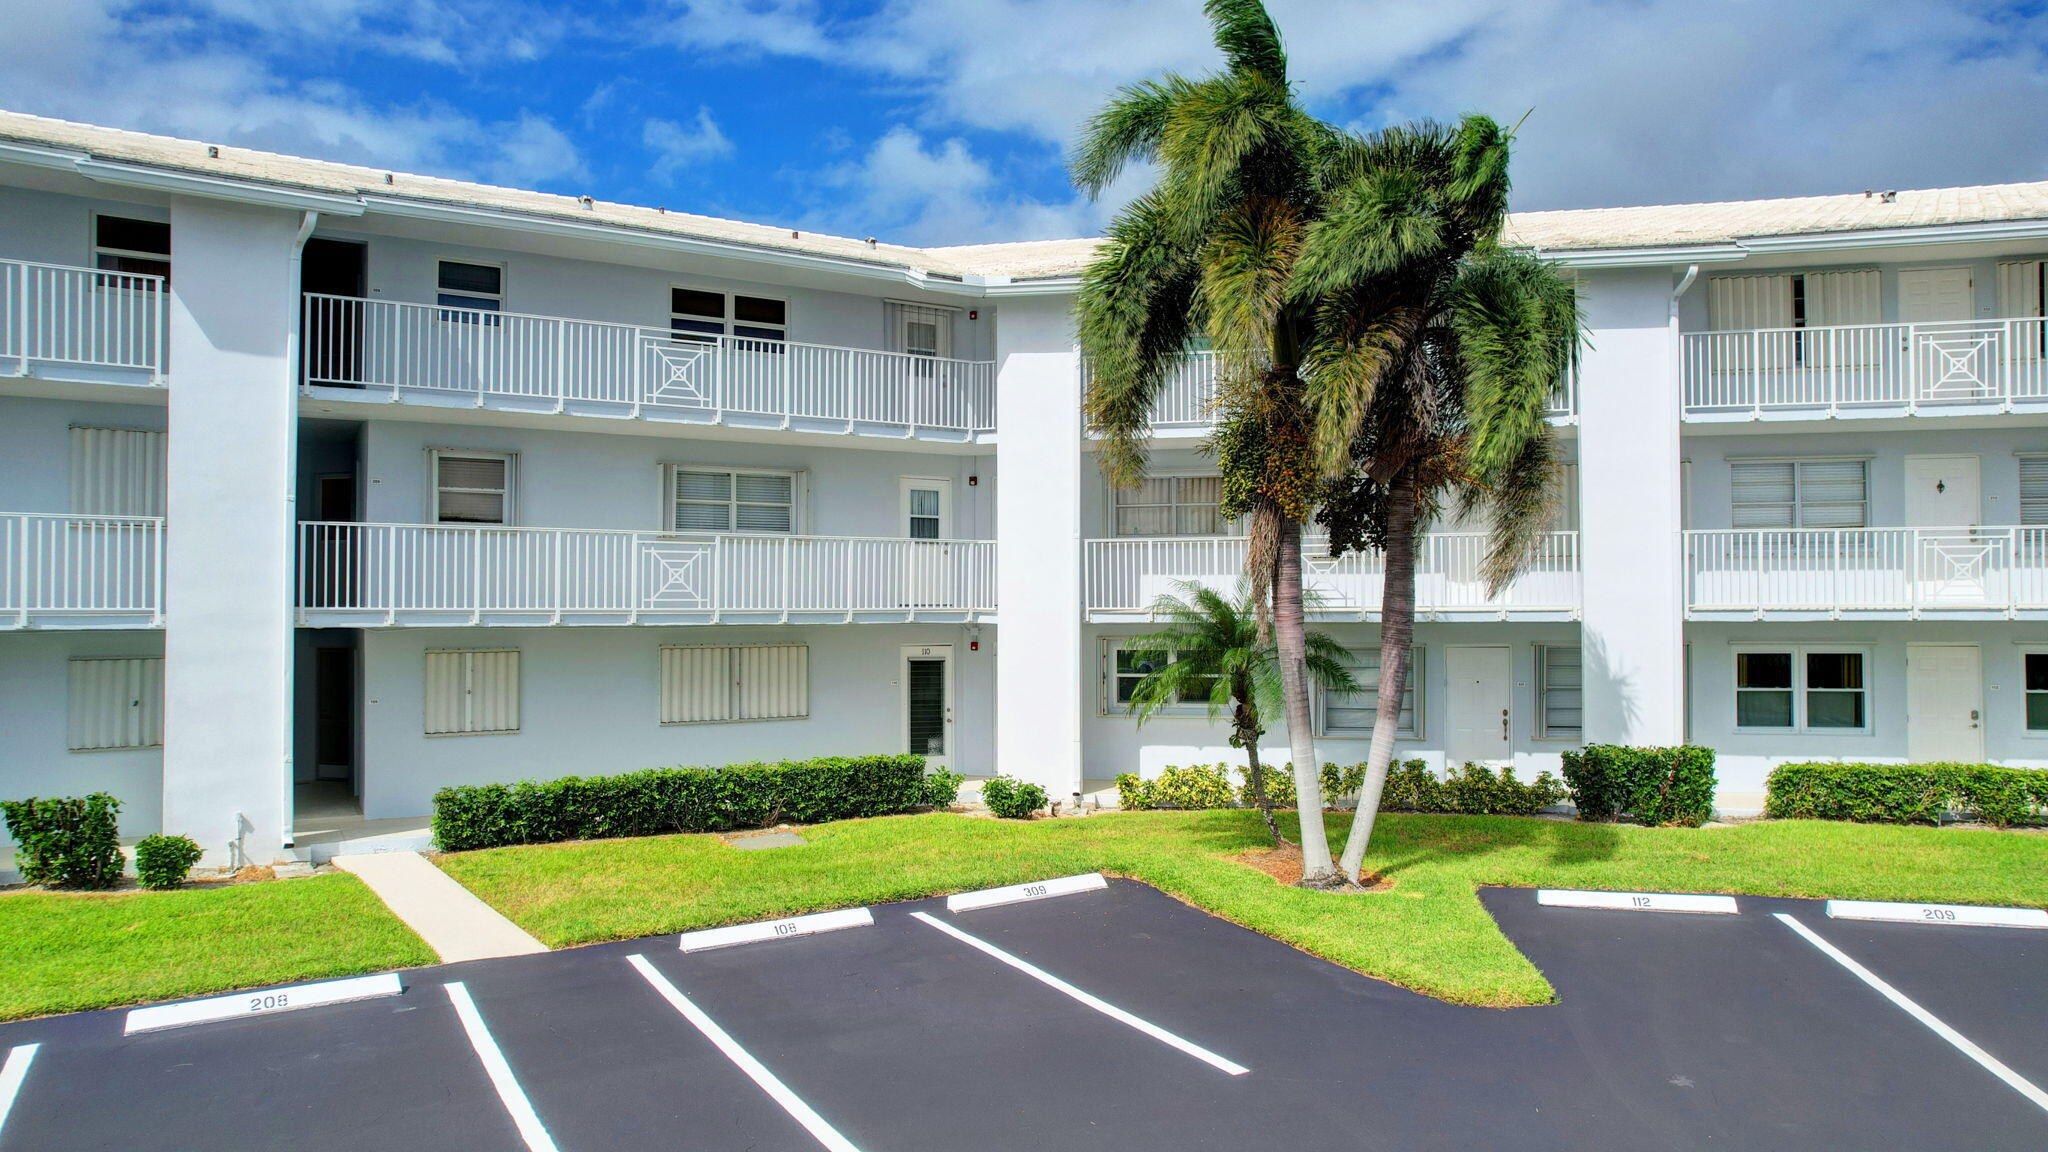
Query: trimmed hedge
pixel 1907 793
pixel 69 842
pixel 661 801
pixel 1654 785
pixel 1201 786
pixel 162 862
pixel 1470 790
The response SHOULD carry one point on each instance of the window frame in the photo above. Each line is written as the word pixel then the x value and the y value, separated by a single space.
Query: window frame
pixel 99 250
pixel 518 693
pixel 2022 458
pixel 1798 503
pixel 670 500
pixel 1109 706
pixel 2027 730
pixel 1174 506
pixel 1801 690
pixel 451 302
pixel 729 322
pixel 435 487
pixel 1543 687
pixel 1417 686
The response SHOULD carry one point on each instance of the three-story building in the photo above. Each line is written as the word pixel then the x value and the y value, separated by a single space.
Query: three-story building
pixel 322 488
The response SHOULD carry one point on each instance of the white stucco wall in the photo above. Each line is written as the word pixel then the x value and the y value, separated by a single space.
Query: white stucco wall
pixel 590 705
pixel 35 446
pixel 35 759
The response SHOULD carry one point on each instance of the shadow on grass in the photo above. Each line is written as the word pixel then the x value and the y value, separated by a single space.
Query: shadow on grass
pixel 1406 841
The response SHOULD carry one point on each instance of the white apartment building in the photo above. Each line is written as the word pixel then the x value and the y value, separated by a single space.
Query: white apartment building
pixel 323 487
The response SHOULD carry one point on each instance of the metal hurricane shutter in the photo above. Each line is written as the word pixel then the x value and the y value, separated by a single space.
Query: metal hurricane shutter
pixel 117 472
pixel 1842 298
pixel 2034 489
pixel 116 702
pixel 695 685
pixel 1742 303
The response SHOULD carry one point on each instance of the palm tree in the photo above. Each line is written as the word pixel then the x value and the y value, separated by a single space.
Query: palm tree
pixel 1433 361
pixel 1211 250
pixel 1211 651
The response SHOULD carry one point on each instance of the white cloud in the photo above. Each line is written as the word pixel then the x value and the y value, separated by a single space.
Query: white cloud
pixel 677 146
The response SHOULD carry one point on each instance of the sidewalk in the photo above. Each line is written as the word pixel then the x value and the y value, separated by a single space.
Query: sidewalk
pixel 453 922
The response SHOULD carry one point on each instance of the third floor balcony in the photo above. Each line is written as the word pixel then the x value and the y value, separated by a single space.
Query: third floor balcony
pixel 1947 368
pixel 432 354
pixel 1187 403
pixel 82 325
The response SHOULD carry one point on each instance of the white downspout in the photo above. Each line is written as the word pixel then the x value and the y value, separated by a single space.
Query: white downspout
pixel 287 816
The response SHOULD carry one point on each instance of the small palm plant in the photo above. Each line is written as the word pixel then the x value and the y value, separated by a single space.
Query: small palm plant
pixel 1211 651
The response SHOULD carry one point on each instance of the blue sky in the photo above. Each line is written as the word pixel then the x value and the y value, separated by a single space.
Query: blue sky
pixel 944 121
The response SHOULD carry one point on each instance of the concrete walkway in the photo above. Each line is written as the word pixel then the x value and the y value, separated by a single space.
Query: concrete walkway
pixel 454 923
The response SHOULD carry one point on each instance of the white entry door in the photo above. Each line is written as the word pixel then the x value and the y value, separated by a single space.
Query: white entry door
pixel 928 575
pixel 927 677
pixel 1949 358
pixel 927 508
pixel 1944 703
pixel 1943 492
pixel 1482 703
pixel 1953 563
pixel 1934 295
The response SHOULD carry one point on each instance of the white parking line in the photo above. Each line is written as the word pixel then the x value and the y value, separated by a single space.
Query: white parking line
pixel 1962 1043
pixel 12 1074
pixel 514 1098
pixel 758 1072
pixel 1109 1010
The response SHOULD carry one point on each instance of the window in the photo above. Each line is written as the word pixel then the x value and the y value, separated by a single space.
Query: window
pixel 117 471
pixel 722 683
pixel 477 287
pixel 732 500
pixel 138 247
pixel 2037 691
pixel 472 691
pixel 116 702
pixel 1560 692
pixel 759 320
pixel 2034 488
pixel 1353 713
pixel 1810 690
pixel 1799 493
pixel 921 330
pixel 1170 505
pixel 1127 667
pixel 472 487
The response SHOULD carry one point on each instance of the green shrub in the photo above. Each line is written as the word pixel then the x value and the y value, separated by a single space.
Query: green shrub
pixel 70 842
pixel 1279 786
pixel 942 788
pixel 1471 789
pixel 1196 786
pixel 659 801
pixel 1012 799
pixel 162 861
pixel 1340 785
pixel 1132 793
pixel 1654 785
pixel 1907 793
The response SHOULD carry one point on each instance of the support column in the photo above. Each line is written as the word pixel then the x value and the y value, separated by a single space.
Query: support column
pixel 229 536
pixel 1038 554
pixel 1630 404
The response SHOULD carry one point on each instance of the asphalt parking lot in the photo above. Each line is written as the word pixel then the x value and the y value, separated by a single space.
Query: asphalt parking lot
pixel 1110 1019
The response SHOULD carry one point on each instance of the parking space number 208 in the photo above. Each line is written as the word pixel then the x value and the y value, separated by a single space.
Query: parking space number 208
pixel 267 1003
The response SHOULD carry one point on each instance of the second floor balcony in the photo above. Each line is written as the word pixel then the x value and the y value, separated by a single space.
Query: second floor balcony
pixel 1950 367
pixel 508 361
pixel 63 571
pixel 1126 576
pixel 1874 573
pixel 1187 401
pixel 81 324
pixel 383 575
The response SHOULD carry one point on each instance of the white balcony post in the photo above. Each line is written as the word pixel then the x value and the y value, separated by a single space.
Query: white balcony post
pixel 1631 547
pixel 227 593
pixel 1039 652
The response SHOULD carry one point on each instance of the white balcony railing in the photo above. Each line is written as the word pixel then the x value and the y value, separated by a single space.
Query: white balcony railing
pixel 1912 366
pixel 56 320
pixel 80 571
pixel 1838 569
pixel 440 573
pixel 1127 575
pixel 508 359
pixel 1188 398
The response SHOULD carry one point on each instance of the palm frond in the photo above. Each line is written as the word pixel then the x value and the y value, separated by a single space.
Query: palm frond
pixel 1248 38
pixel 1127 130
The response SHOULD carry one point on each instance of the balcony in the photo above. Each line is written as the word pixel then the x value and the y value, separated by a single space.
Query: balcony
pixel 1187 402
pixel 60 571
pixel 1869 573
pixel 509 362
pixel 1125 576
pixel 1957 368
pixel 384 575
pixel 81 325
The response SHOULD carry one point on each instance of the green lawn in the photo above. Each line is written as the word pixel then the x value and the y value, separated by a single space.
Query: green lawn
pixel 1429 932
pixel 60 952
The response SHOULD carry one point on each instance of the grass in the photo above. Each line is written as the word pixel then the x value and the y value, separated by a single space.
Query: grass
pixel 1428 933
pixel 62 952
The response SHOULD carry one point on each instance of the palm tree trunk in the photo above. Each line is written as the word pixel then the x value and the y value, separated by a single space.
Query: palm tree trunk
pixel 1397 636
pixel 1255 772
pixel 1290 637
